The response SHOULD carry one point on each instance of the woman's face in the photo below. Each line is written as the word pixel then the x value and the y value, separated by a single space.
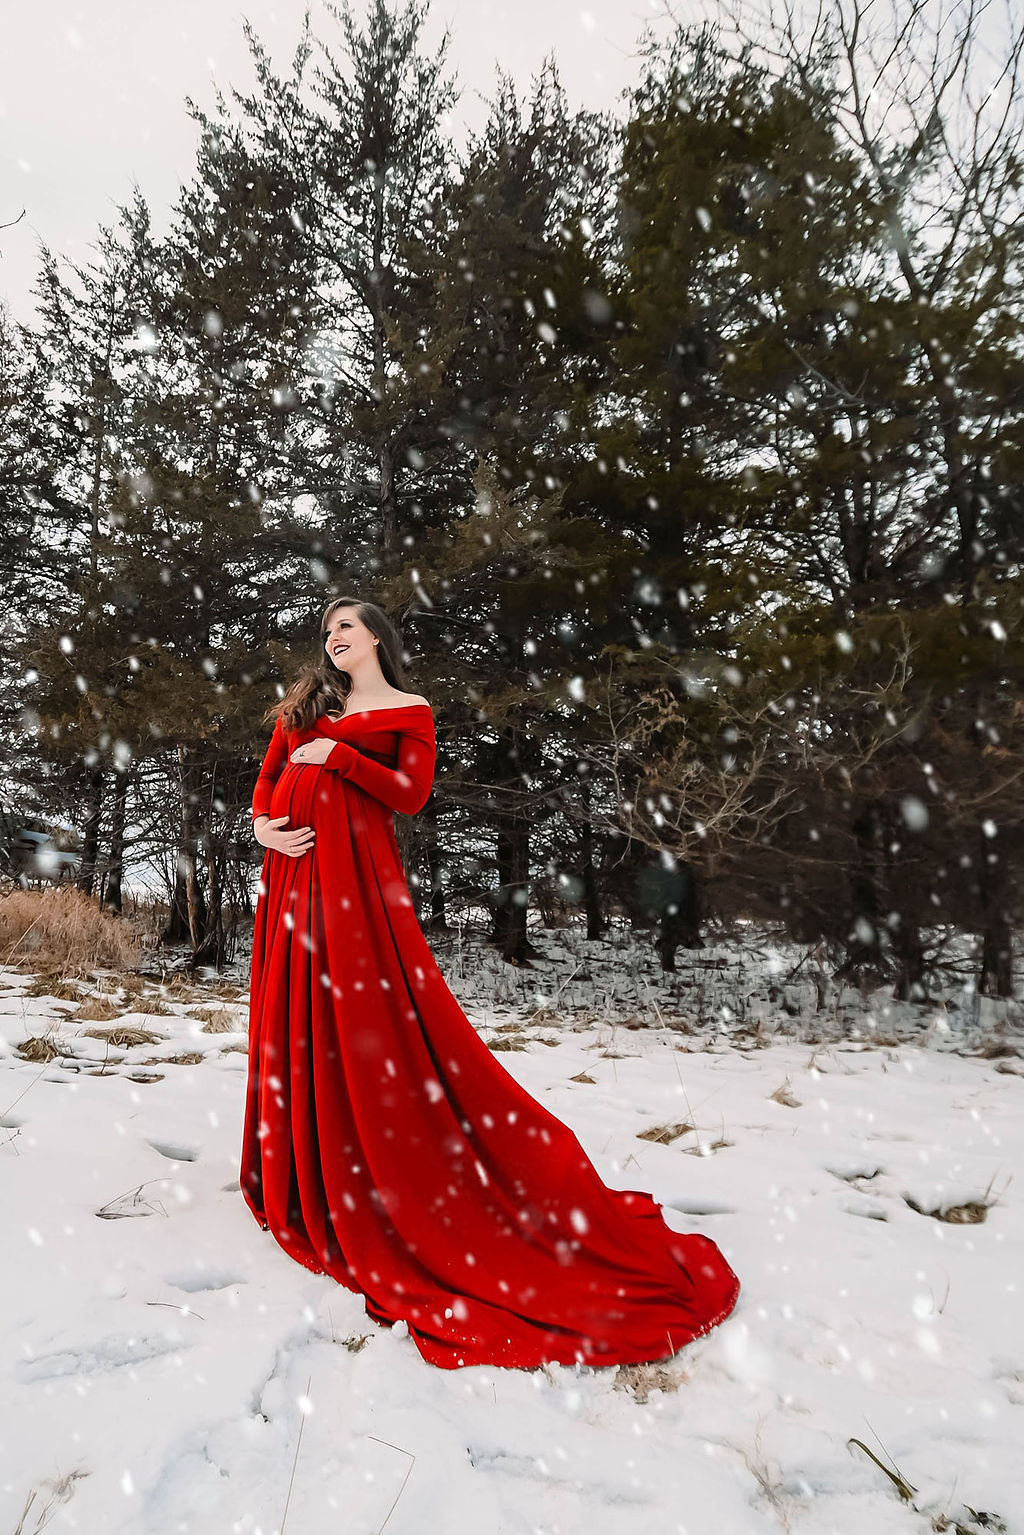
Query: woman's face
pixel 347 640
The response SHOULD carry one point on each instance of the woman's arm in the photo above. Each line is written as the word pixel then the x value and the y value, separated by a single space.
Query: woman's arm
pixel 273 765
pixel 405 787
pixel 269 832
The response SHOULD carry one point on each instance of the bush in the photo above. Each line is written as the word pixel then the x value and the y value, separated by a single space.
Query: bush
pixel 63 932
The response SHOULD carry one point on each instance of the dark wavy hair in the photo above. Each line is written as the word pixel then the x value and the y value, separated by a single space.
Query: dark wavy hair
pixel 323 687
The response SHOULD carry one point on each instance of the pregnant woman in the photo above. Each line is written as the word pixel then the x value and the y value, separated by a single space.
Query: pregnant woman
pixel 384 1143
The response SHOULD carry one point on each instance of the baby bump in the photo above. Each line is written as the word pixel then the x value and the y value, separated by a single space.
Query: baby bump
pixel 299 793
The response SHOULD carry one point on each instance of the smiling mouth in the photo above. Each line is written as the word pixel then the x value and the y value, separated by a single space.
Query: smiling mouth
pixel 339 650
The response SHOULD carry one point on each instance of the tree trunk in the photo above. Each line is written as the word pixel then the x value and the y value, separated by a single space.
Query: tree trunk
pixel 176 930
pixel 187 921
pixel 996 978
pixel 680 919
pixel 910 981
pixel 437 922
pixel 596 923
pixel 112 896
pixel 864 956
pixel 511 903
pixel 210 947
pixel 86 880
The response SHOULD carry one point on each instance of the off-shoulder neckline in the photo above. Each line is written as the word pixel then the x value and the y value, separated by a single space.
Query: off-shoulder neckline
pixel 386 709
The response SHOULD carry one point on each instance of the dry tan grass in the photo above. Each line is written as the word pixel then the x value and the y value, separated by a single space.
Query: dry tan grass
pixel 642 1379
pixel 54 986
pixel 970 1214
pixel 124 1038
pixel 234 1047
pixel 216 1020
pixel 41 1048
pixel 99 1010
pixel 179 989
pixel 355 1342
pixel 183 1058
pixel 63 932
pixel 152 1006
pixel 664 1134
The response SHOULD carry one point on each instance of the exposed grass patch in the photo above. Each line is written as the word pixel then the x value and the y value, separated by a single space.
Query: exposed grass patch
pixel 99 1010
pixel 970 1214
pixel 509 1042
pixel 216 1020
pixel 642 1379
pixel 183 1058
pixel 63 932
pixel 355 1342
pixel 583 1077
pixel 663 1135
pixel 123 1037
pixel 41 1048
pixel 151 1006
pixel 54 986
pixel 783 1095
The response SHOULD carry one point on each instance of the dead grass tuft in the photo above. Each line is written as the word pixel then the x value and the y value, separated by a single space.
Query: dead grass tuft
pixel 994 1049
pixel 355 1342
pixel 123 1038
pixel 54 986
pixel 642 1379
pixel 663 1135
pixel 783 1095
pixel 63 932
pixel 509 1042
pixel 99 1010
pixel 215 1020
pixel 970 1214
pixel 583 1077
pixel 41 1048
pixel 152 1006
pixel 183 1058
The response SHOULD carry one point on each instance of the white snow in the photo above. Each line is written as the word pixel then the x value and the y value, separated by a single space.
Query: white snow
pixel 169 1369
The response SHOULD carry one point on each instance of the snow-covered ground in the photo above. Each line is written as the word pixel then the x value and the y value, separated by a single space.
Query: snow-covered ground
pixel 168 1369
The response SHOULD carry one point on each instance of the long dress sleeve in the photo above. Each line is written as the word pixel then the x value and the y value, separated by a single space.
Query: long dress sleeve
pixel 405 787
pixel 273 765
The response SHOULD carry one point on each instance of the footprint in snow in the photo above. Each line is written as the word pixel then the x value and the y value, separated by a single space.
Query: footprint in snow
pixel 698 1206
pixel 202 1276
pixel 107 1354
pixel 175 1151
pixel 870 1209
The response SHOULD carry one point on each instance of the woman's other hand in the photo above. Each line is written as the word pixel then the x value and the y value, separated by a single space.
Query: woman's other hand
pixel 270 833
pixel 312 753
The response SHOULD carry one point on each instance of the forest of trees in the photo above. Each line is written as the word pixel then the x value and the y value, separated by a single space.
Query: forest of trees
pixel 684 445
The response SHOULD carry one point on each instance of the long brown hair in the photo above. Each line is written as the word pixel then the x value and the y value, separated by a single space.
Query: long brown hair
pixel 323 686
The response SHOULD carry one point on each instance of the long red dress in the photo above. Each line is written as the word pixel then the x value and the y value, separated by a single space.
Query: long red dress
pixel 385 1145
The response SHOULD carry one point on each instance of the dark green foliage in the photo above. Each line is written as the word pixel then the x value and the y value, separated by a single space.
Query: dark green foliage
pixel 685 447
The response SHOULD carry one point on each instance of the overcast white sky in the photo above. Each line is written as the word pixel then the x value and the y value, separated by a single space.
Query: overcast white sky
pixel 92 95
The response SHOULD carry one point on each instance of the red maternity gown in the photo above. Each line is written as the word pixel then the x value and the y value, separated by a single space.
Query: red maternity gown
pixel 385 1145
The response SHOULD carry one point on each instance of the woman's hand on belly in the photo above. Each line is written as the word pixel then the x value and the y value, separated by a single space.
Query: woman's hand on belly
pixel 312 753
pixel 292 843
